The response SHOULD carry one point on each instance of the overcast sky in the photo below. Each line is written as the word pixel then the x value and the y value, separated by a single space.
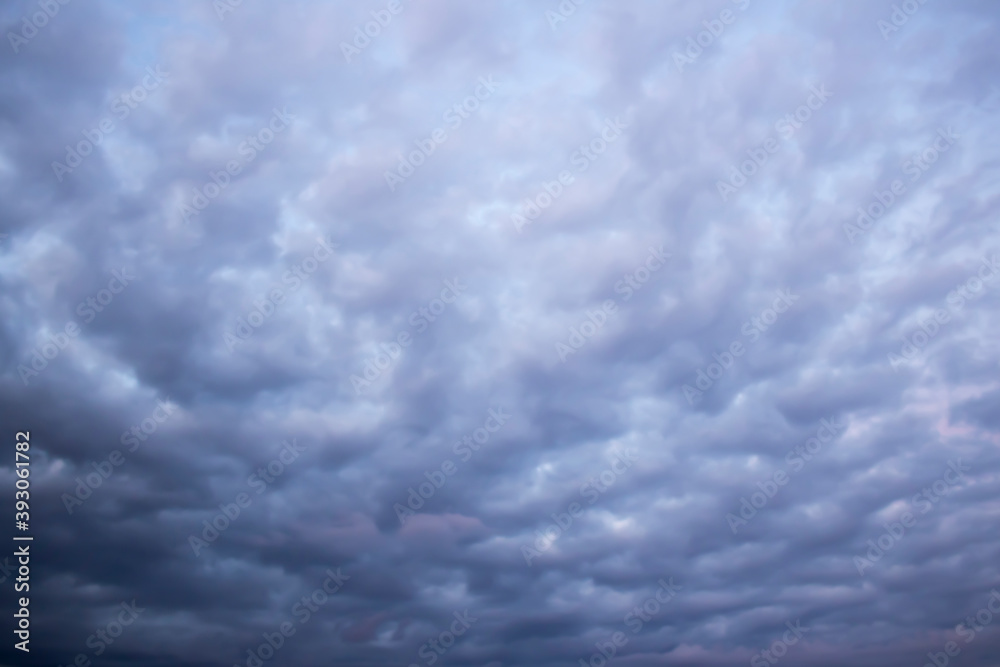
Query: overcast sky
pixel 503 333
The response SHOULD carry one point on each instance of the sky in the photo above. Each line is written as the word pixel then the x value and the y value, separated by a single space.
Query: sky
pixel 427 332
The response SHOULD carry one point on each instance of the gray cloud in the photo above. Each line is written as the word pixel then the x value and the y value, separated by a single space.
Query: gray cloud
pixel 164 336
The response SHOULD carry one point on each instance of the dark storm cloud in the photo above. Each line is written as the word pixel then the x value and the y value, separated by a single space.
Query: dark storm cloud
pixel 858 396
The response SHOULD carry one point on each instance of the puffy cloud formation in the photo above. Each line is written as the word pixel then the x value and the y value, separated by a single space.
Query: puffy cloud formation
pixel 503 333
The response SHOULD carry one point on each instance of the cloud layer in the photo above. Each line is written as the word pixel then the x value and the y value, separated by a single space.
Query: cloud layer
pixel 396 332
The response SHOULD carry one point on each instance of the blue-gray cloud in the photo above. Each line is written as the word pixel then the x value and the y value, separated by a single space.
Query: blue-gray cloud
pixel 557 302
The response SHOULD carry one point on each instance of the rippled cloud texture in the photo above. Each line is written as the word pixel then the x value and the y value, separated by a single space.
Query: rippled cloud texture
pixel 413 332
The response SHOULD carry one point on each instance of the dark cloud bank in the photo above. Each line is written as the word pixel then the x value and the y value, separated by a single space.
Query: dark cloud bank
pixel 503 333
